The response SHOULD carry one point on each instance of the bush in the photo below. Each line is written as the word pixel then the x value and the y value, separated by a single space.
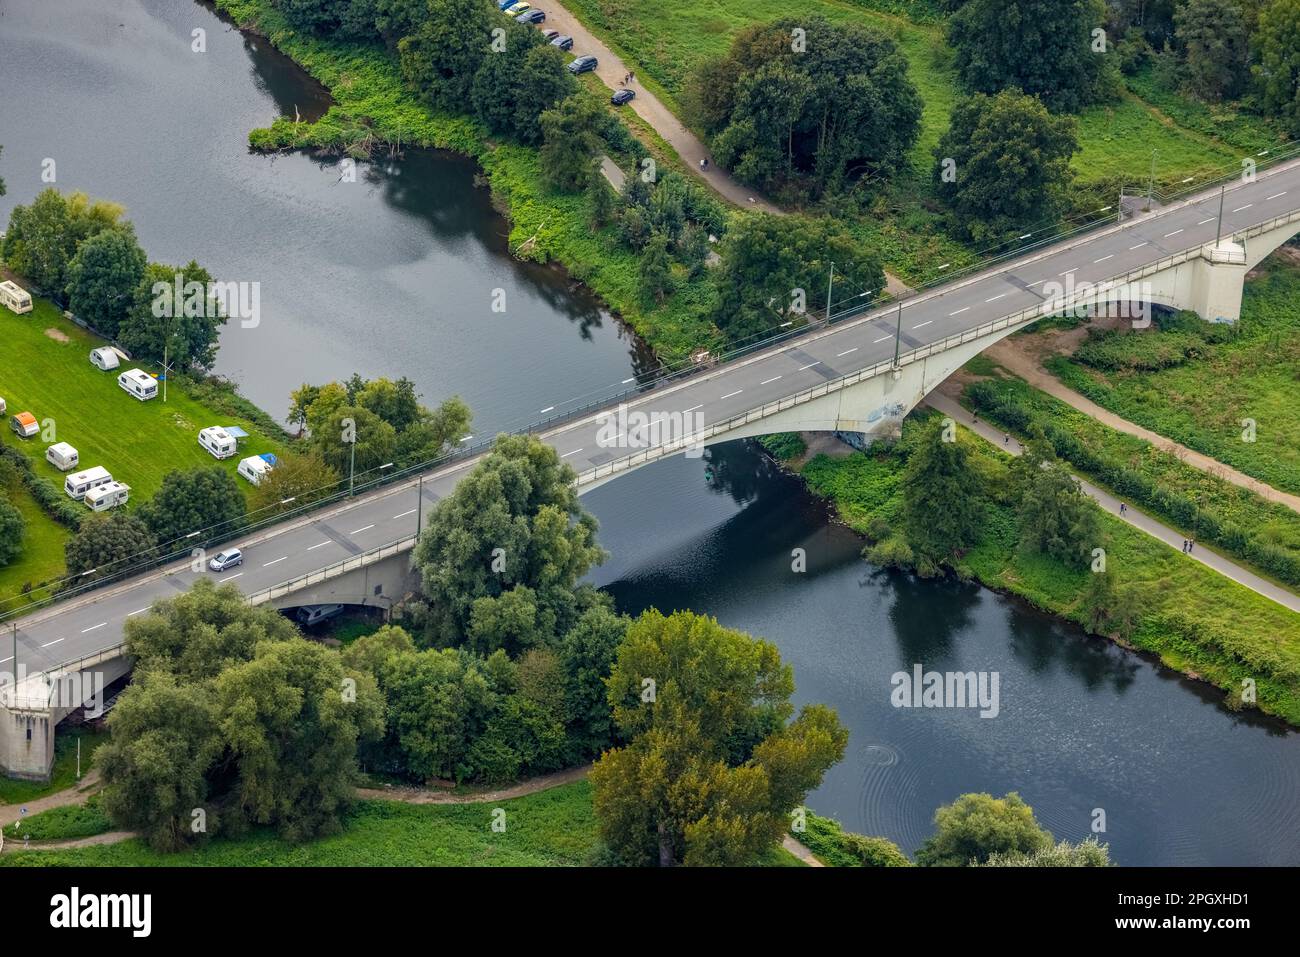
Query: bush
pixel 784 445
pixel 840 848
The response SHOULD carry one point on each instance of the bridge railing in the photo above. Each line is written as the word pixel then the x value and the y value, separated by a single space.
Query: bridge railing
pixel 320 575
pixel 12 695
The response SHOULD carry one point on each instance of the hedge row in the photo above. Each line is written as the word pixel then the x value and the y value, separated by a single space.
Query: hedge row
pixel 48 496
pixel 1200 522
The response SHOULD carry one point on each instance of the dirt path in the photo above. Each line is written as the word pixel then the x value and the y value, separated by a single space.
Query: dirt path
pixel 430 796
pixel 77 794
pixel 109 837
pixel 1015 355
pixel 611 69
pixel 801 852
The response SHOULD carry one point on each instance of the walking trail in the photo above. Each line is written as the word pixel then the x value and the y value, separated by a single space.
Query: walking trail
pixel 1013 355
pixel 611 69
pixel 1139 520
pixel 77 794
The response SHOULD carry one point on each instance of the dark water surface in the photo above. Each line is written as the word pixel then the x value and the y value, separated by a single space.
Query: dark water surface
pixel 393 275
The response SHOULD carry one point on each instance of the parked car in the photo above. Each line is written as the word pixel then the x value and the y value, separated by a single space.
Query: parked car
pixel 584 64
pixel 517 8
pixel 309 615
pixel 563 42
pixel 24 425
pixel 622 96
pixel 226 560
pixel 549 35
pixel 505 4
pixel 531 16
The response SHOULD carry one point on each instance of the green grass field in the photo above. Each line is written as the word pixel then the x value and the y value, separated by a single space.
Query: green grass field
pixel 554 828
pixel 48 373
pixel 64 773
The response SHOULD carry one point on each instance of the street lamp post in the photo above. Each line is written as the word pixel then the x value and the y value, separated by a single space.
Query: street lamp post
pixel 830 285
pixel 1151 182
pixel 898 334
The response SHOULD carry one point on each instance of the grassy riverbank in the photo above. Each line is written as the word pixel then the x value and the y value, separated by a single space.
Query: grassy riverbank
pixel 1194 619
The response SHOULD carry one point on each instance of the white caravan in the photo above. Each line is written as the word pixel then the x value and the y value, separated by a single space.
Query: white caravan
pixel 62 456
pixel 254 468
pixel 217 441
pixel 15 297
pixel 139 384
pixel 78 485
pixel 104 358
pixel 107 496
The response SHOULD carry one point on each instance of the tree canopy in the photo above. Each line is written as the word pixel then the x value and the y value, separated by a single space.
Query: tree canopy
pixel 204 498
pixel 1278 70
pixel 977 826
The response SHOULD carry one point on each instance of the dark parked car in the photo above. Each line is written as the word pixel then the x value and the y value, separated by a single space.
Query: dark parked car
pixel 563 42
pixel 531 16
pixel 584 64
pixel 549 35
pixel 622 96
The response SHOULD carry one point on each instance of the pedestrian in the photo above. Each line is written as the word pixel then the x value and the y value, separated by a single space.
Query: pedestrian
pixel 1191 544
pixel 1122 508
pixel 1006 438
pixel 1184 546
pixel 631 76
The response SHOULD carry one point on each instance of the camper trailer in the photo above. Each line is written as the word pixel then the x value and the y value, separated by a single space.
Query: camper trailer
pixel 104 358
pixel 255 468
pixel 138 383
pixel 15 297
pixel 62 456
pixel 107 496
pixel 2 405
pixel 217 441
pixel 78 485
pixel 24 425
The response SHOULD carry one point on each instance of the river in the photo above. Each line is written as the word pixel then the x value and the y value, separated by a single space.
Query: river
pixel 393 275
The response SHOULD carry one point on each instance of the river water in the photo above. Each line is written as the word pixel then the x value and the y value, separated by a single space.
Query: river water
pixel 393 275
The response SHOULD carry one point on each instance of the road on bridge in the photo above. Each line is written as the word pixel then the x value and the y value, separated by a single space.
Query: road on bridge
pixel 65 632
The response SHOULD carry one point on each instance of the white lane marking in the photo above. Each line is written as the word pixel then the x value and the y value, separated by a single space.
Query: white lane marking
pixel 138 611
pixel 996 298
pixel 54 642
pixel 358 531
pixel 404 514
pixel 275 561
pixel 549 408
pixel 93 627
pixel 882 339
pixel 567 454
pixel 1174 233
pixel 809 366
pixel 230 578
pixel 1103 259
pixel 1240 208
pixel 3 660
pixel 920 324
pixel 1138 246
pixel 730 394
pixel 1275 196
pixel 626 381
pixel 840 355
pixel 1068 272
pixel 1036 282
pixel 693 408
pixel 1204 221
pixel 957 313
pixel 313 548
pixel 773 379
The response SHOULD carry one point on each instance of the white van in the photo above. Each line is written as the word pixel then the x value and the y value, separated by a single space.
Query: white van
pixel 104 358
pixel 218 442
pixel 62 456
pixel 254 468
pixel 78 485
pixel 15 297
pixel 138 383
pixel 107 496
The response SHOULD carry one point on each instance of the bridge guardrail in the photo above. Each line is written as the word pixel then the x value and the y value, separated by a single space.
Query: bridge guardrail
pixel 352 563
pixel 10 699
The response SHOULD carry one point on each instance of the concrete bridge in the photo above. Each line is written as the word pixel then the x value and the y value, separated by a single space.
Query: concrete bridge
pixel 860 377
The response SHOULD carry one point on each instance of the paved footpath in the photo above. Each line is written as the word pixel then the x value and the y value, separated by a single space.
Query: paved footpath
pixel 1013 358
pixel 1174 539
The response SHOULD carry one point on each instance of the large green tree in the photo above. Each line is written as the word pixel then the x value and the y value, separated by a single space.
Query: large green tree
pixel 1045 48
pixel 439 60
pixel 201 499
pixel 184 331
pixel 807 104
pixel 513 521
pixel 1057 517
pixel 977 826
pixel 298 479
pixel 12 528
pixel 104 278
pixel 570 142
pixel 943 497
pixel 775 270
pixel 108 545
pixel 514 86
pixel 1277 40
pixel 1003 166
pixel 42 238
pixel 1212 34
pixel 713 764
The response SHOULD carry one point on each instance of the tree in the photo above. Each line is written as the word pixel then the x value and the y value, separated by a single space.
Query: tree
pixel 600 197
pixel 1004 164
pixel 109 545
pixel 713 766
pixel 1057 518
pixel 656 269
pixel 587 654
pixel 775 270
pixel 42 238
pixel 943 501
pixel 808 105
pixel 104 277
pixel 12 529
pixel 302 477
pixel 1215 55
pixel 530 65
pixel 1088 853
pixel 1109 609
pixel 570 142
pixel 433 433
pixel 439 60
pixel 184 331
pixel 1045 48
pixel 346 19
pixel 512 521
pixel 1277 40
pixel 353 438
pixel 202 499
pixel 977 826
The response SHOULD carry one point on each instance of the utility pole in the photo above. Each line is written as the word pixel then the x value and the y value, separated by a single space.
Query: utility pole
pixel 1218 226
pixel 352 466
pixel 898 334
pixel 830 284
